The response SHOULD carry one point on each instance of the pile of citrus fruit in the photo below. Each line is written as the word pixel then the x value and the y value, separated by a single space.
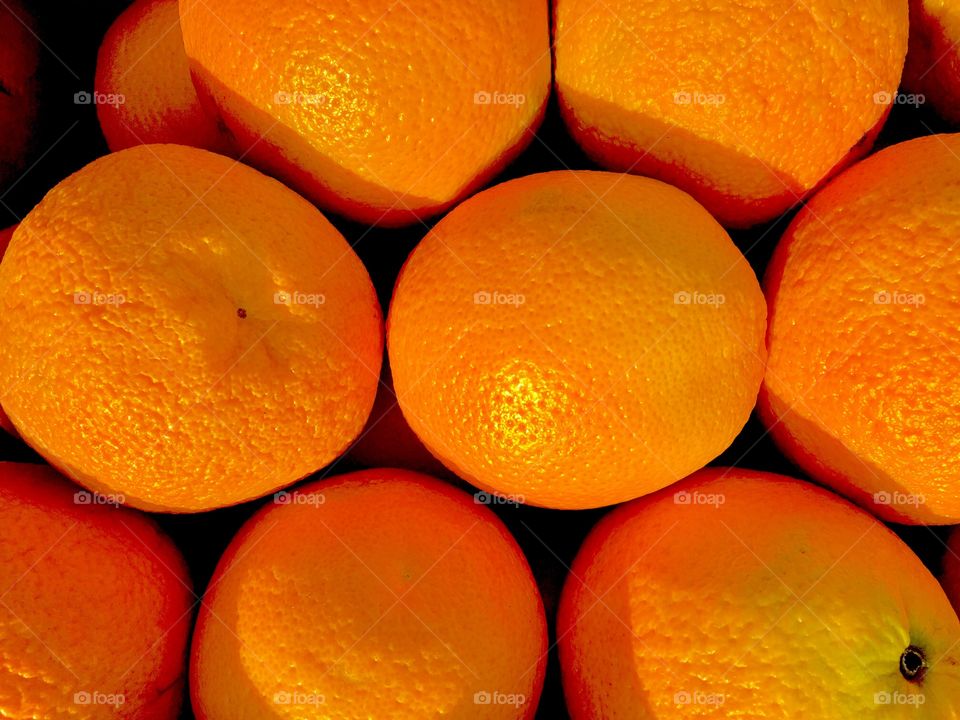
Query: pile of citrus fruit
pixel 658 417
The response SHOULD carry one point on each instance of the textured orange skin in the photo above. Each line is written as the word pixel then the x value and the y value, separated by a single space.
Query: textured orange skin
pixel 782 603
pixel 780 129
pixel 142 58
pixel 172 398
pixel 386 129
pixel 378 600
pixel 94 599
pixel 933 60
pixel 5 236
pixel 19 57
pixel 599 387
pixel 864 396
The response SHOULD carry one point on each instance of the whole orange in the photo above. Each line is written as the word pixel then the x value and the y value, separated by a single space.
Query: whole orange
pixel 378 594
pixel 740 594
pixel 932 69
pixel 863 384
pixel 176 327
pixel 19 61
pixel 746 106
pixel 383 111
pixel 95 605
pixel 577 339
pixel 144 93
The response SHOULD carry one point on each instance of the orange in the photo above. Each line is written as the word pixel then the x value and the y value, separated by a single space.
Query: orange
pixel 746 106
pixel 144 93
pixel 95 605
pixel 577 339
pixel 378 594
pixel 863 384
pixel 5 236
pixel 740 594
pixel 19 60
pixel 382 111
pixel 932 68
pixel 387 440
pixel 176 327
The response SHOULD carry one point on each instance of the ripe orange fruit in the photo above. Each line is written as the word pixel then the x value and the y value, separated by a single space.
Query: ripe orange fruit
pixel 5 236
pixel 144 93
pixel 95 607
pixel 19 59
pixel 863 384
pixel 932 68
pixel 376 594
pixel 751 595
pixel 577 338
pixel 746 107
pixel 176 327
pixel 383 111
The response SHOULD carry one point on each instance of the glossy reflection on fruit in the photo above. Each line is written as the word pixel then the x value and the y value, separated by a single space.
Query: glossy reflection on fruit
pixel 577 339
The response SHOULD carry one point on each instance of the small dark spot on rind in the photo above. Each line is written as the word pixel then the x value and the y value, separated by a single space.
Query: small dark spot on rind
pixel 241 313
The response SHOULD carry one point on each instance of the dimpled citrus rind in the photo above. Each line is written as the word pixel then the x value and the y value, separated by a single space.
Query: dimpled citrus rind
pixel 179 329
pixel 746 108
pixel 96 605
pixel 380 619
pixel 576 339
pixel 342 106
pixel 862 384
pixel 745 594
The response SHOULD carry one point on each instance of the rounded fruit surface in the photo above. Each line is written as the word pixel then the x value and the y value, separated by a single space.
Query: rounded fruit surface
pixel 143 86
pixel 383 594
pixel 19 58
pixel 745 594
pixel 5 235
pixel 932 68
pixel 96 605
pixel 862 388
pixel 382 111
pixel 745 106
pixel 179 328
pixel 577 339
